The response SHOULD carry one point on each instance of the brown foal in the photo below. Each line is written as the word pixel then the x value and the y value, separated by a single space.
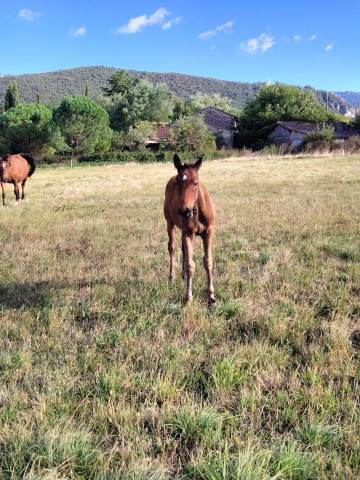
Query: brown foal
pixel 189 207
pixel 15 169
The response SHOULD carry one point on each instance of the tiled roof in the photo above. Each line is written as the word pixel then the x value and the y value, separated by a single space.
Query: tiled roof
pixel 300 127
pixel 341 130
pixel 162 132
pixel 218 119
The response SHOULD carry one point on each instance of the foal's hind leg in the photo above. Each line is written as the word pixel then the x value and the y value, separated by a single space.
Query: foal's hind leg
pixel 208 262
pixel 23 190
pixel 16 191
pixel 171 249
pixel 3 188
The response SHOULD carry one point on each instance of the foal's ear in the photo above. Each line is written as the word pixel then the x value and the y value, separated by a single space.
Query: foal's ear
pixel 198 162
pixel 177 162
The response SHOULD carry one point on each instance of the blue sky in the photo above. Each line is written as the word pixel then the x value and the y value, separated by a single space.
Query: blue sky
pixel 306 43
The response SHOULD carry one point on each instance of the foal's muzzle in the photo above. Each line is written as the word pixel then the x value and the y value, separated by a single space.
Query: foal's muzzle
pixel 186 212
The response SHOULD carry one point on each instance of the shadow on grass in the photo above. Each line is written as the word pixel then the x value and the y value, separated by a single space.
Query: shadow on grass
pixel 25 295
pixel 41 294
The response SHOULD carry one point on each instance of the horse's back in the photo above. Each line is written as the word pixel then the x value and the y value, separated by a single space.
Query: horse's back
pixel 17 168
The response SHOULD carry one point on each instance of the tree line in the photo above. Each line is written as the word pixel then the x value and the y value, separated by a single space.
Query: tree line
pixel 122 118
pixel 130 109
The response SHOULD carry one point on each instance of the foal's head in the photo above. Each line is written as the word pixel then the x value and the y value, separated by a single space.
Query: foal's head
pixel 188 183
pixel 3 166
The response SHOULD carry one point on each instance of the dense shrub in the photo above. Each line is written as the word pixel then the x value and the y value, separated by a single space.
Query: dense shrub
pixel 135 138
pixel 28 128
pixel 275 103
pixel 202 100
pixel 319 140
pixel 191 134
pixel 141 101
pixel 84 124
pixel 147 156
pixel 11 96
pixel 351 145
pixel 356 121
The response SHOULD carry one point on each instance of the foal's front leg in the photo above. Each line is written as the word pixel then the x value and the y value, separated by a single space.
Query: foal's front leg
pixel 171 249
pixel 188 241
pixel 3 188
pixel 183 273
pixel 208 262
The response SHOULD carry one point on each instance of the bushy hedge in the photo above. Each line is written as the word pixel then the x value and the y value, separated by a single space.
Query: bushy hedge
pixel 147 156
pixel 143 156
pixel 350 145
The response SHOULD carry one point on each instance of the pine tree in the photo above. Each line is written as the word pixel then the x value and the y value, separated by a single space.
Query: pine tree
pixel 11 96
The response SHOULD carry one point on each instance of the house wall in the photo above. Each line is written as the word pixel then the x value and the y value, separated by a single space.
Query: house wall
pixel 226 135
pixel 281 135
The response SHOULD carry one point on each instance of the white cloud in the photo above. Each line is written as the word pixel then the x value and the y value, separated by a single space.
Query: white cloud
pixel 206 35
pixel 136 24
pixel 170 23
pixel 28 15
pixel 78 32
pixel 300 38
pixel 224 28
pixel 262 43
pixel 329 47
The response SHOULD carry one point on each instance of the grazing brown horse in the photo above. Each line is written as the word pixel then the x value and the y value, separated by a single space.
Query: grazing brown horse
pixel 189 207
pixel 15 169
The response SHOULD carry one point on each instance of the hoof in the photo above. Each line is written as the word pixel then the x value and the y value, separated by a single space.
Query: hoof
pixel 212 300
pixel 187 301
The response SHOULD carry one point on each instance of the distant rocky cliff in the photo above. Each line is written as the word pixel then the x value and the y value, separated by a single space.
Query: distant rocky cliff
pixel 353 98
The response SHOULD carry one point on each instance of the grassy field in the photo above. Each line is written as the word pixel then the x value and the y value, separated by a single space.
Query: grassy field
pixel 103 373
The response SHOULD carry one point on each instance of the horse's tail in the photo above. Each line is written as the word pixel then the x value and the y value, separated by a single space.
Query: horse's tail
pixel 31 162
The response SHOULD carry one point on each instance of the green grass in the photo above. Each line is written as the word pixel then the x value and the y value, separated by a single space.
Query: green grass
pixel 104 375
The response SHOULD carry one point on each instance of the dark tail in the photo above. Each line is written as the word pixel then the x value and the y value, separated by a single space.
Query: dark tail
pixel 31 162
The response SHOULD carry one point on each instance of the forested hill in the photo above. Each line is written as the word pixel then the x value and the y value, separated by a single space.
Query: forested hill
pixel 54 85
